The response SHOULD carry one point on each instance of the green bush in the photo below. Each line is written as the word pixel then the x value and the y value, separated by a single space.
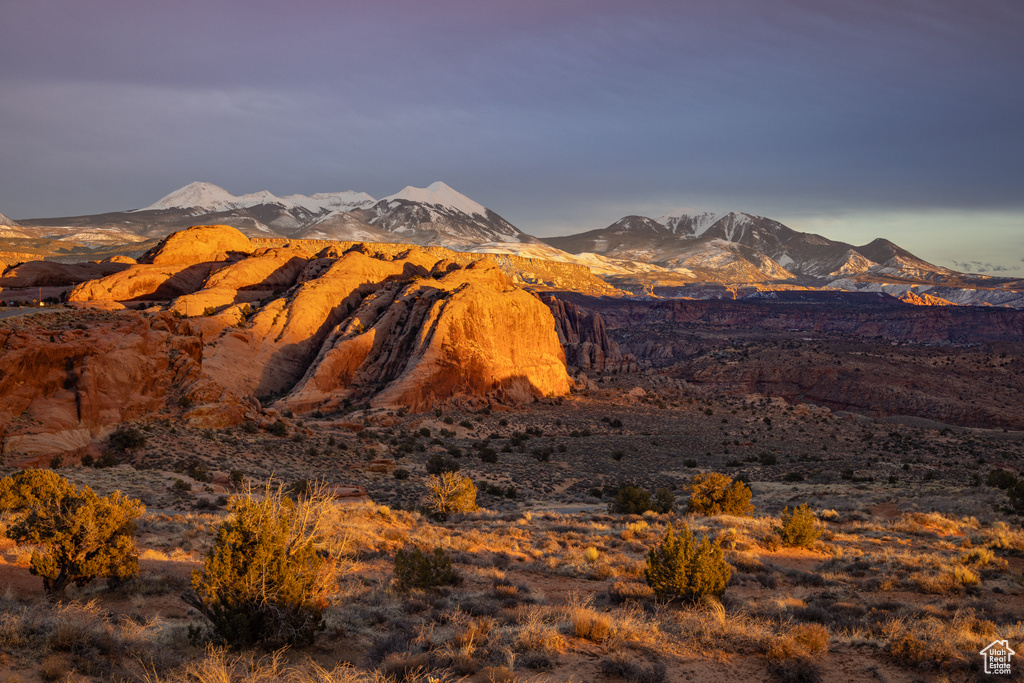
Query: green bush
pixel 1016 495
pixel 664 501
pixel 424 571
pixel 630 500
pixel 264 581
pixel 1002 479
pixel 680 568
pixel 85 536
pixel 712 493
pixel 126 439
pixel 449 493
pixel 439 464
pixel 798 527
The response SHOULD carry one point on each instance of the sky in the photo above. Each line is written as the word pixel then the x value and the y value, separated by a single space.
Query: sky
pixel 894 118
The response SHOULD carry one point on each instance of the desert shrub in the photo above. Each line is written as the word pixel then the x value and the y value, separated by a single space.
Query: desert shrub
pixel 85 535
pixel 449 493
pixel 630 500
pixel 1001 479
pixel 279 428
pixel 680 568
pixel 126 439
pixel 439 464
pixel 798 528
pixel 421 570
pixel 198 471
pixel 1016 497
pixel 712 493
pixel 401 473
pixel 664 501
pixel 264 581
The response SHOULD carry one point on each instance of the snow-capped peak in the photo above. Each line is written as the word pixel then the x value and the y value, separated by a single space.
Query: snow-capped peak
pixel 198 195
pixel 210 198
pixel 439 194
pixel 698 221
pixel 330 201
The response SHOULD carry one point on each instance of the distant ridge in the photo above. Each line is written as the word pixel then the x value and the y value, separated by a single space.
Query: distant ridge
pixel 686 253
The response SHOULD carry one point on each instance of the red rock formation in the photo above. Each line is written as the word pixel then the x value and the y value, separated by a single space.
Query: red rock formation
pixel 275 348
pixel 51 274
pixel 144 283
pixel 199 244
pixel 59 388
pixel 398 327
pixel 470 332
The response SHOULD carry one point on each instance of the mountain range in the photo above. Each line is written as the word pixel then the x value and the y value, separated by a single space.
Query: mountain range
pixel 434 215
pixel 697 255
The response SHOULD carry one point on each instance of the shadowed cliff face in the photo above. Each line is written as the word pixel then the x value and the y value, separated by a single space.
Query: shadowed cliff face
pixel 399 329
pixel 585 340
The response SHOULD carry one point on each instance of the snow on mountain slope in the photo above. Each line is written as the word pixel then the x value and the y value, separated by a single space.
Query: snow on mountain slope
pixel 203 197
pixel 438 215
pixel 683 222
pixel 439 194
pixel 197 196
pixel 4 220
pixel 331 201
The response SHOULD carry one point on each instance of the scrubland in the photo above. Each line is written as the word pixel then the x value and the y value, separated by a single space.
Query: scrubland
pixel 918 563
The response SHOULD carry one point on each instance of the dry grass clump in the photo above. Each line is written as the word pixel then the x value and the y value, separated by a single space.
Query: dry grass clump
pixel 933 522
pixel 219 667
pixel 588 624
pixel 536 631
pixel 83 637
pixel 948 644
pixel 615 628
pixel 1000 537
pixel 952 579
pixel 626 591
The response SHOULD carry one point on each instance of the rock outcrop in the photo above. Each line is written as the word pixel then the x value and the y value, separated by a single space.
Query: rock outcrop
pixel 469 333
pixel 394 327
pixel 61 386
pixel 199 244
pixel 52 274
pixel 585 340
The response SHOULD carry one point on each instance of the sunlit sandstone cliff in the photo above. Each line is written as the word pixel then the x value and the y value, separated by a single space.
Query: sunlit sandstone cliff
pixel 227 321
